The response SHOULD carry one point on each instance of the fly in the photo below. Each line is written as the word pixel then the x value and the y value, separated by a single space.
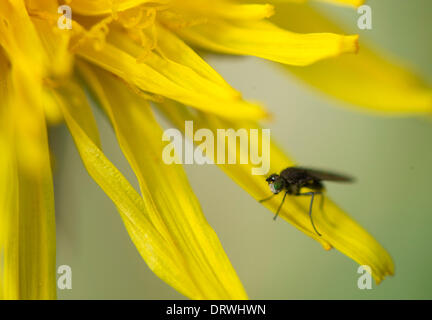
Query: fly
pixel 293 179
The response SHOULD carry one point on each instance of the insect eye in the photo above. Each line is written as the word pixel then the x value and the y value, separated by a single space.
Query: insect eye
pixel 277 185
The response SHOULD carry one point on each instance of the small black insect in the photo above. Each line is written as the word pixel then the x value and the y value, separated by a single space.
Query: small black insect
pixel 293 179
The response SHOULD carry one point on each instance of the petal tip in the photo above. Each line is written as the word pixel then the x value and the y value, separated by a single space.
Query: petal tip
pixel 270 10
pixel 350 44
pixel 268 115
pixel 359 3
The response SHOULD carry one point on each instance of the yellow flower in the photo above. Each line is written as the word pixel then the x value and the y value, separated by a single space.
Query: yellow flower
pixel 129 53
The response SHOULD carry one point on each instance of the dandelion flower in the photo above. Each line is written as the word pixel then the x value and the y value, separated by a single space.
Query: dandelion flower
pixel 128 54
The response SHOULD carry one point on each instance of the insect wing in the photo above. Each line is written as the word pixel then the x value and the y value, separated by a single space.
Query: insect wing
pixel 327 176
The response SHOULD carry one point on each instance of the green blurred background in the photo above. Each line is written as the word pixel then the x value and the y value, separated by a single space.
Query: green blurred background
pixel 392 199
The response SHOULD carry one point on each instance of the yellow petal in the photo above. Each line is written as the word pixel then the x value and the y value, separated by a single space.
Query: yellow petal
pixel 27 201
pixel 133 210
pixel 177 51
pixel 265 40
pixel 101 7
pixel 162 76
pixel 337 228
pixel 26 48
pixel 40 50
pixel 29 249
pixel 368 79
pixel 166 224
pixel 354 3
pixel 225 9
pixel 7 164
pixel 55 46
pixel 73 95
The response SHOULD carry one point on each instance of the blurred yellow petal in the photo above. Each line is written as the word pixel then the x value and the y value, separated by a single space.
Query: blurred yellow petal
pixel 41 50
pixel 265 40
pixel 55 44
pixel 29 248
pixel 166 224
pixel 28 223
pixel 26 48
pixel 354 3
pixel 367 80
pixel 7 164
pixel 337 228
pixel 160 75
pixel 101 7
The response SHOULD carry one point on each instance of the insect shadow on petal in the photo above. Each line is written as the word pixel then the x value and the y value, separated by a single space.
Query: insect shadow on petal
pixel 293 179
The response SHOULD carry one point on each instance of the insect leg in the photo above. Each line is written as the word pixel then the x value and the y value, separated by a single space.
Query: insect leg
pixel 312 194
pixel 268 198
pixel 280 206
